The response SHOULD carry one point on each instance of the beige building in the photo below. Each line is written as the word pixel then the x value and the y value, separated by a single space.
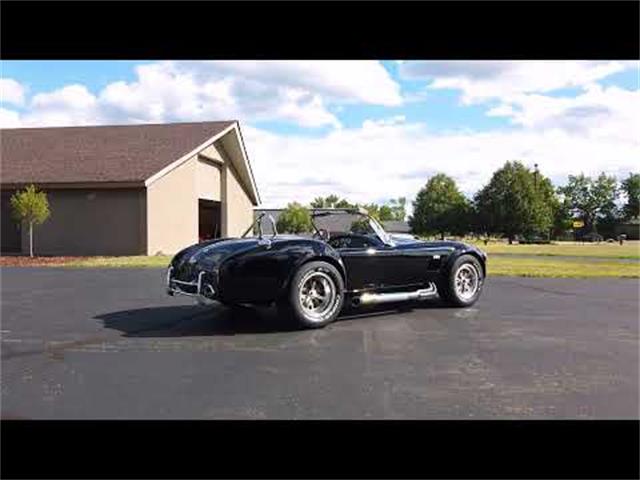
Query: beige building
pixel 128 190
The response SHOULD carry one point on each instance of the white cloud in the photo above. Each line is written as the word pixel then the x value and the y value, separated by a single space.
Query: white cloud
pixel 372 124
pixel 480 81
pixel 9 118
pixel 71 96
pixel 364 81
pixel 386 159
pixel 298 92
pixel 599 112
pixel 523 90
pixel 11 91
pixel 70 105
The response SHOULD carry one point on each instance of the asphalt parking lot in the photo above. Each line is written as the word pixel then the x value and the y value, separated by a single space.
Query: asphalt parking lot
pixel 109 344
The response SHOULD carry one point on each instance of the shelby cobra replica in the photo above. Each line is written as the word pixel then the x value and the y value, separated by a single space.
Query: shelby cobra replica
pixel 312 278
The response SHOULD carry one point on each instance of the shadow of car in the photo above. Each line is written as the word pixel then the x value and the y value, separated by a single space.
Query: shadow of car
pixel 218 320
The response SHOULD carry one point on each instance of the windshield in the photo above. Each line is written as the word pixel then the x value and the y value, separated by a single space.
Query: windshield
pixel 340 222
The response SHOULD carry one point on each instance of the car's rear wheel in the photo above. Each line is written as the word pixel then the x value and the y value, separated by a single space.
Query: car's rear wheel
pixel 462 285
pixel 315 295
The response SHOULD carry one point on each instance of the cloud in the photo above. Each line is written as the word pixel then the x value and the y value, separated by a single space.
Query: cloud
pixel 363 81
pixel 70 105
pixel 524 92
pixel 598 112
pixel 296 92
pixel 480 81
pixel 9 118
pixel 595 130
pixel 373 124
pixel 397 159
pixel 11 92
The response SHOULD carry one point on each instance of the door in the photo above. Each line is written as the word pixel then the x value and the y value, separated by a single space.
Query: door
pixel 371 264
pixel 209 220
pixel 363 264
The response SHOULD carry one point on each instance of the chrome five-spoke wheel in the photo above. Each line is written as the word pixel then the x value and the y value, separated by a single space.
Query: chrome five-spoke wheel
pixel 461 284
pixel 467 280
pixel 317 294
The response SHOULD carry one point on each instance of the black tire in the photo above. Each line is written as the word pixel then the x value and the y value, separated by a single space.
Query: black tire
pixel 318 272
pixel 447 284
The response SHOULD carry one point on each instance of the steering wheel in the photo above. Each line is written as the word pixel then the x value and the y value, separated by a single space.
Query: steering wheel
pixel 322 234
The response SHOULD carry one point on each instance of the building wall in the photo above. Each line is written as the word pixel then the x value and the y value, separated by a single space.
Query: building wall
pixel 208 180
pixel 237 209
pixel 91 222
pixel 172 201
pixel 172 210
pixel 127 221
pixel 11 239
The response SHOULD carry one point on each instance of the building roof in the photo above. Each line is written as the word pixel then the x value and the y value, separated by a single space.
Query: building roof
pixel 119 154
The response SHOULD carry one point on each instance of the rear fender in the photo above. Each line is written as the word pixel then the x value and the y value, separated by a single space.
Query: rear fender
pixel 329 255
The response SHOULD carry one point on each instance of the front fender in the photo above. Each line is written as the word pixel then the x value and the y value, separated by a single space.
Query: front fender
pixel 467 250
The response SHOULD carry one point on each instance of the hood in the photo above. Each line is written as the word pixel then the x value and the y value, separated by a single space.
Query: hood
pixel 416 243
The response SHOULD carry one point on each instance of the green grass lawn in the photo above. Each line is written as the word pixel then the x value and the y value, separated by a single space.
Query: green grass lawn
pixel 498 265
pixel 156 261
pixel 630 250
pixel 542 266
pixel 609 260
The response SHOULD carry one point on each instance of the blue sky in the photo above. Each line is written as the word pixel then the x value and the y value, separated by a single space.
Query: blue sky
pixel 358 127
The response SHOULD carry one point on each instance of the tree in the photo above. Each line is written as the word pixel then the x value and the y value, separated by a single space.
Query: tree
pixel 398 208
pixel 591 200
pixel 439 208
pixel 631 187
pixel 562 218
pixel 294 219
pixel 32 207
pixel 331 201
pixel 392 210
pixel 515 201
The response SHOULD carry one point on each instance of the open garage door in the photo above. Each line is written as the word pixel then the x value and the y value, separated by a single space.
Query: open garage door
pixel 209 219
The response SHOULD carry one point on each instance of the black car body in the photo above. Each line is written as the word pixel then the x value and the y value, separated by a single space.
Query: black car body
pixel 260 269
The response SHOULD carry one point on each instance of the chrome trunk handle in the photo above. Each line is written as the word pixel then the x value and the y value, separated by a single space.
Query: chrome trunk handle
pixel 264 242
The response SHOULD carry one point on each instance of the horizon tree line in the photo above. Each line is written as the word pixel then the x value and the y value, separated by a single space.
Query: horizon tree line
pixel 516 201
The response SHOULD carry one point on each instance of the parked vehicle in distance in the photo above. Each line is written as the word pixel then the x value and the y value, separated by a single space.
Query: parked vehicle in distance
pixel 403 236
pixel 591 237
pixel 534 240
pixel 311 278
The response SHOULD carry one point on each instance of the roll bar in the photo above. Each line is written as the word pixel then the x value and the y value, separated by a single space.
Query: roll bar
pixel 258 220
pixel 375 225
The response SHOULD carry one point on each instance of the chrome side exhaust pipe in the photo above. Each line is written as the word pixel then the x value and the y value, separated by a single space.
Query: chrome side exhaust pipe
pixel 375 298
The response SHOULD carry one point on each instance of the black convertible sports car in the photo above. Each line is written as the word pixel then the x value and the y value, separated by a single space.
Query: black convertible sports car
pixel 311 278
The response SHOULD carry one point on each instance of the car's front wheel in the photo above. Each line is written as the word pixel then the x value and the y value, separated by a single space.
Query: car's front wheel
pixel 315 295
pixel 462 285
